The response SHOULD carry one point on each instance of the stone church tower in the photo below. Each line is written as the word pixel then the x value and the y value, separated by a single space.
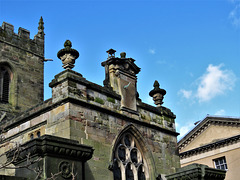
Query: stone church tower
pixel 21 69
pixel 85 131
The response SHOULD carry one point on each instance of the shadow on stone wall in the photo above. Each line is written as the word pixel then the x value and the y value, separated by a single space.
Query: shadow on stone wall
pixel 88 172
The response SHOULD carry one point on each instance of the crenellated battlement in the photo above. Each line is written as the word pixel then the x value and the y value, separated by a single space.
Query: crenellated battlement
pixel 22 39
pixel 23 57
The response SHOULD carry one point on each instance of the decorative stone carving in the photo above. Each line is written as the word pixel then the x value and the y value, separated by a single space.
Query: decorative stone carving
pixel 157 94
pixel 65 169
pixel 54 146
pixel 68 55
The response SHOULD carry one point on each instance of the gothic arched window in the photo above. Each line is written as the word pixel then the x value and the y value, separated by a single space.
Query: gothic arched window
pixel 4 84
pixel 128 161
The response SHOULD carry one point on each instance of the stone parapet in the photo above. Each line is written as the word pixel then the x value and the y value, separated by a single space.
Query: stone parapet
pixel 70 84
pixel 22 39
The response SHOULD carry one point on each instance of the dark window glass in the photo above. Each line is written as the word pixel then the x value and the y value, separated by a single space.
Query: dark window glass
pixel 4 84
pixel 31 136
pixel 127 141
pixel 141 175
pixel 38 134
pixel 129 173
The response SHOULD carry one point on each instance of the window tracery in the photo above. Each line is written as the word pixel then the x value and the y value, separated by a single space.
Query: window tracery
pixel 129 163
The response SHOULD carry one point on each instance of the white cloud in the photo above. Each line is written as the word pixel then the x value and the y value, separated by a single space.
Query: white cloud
pixel 183 130
pixel 221 112
pixel 185 93
pixel 152 51
pixel 234 15
pixel 214 82
pixel 149 100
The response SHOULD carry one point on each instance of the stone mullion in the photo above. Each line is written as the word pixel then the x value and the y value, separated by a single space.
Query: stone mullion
pixel 123 170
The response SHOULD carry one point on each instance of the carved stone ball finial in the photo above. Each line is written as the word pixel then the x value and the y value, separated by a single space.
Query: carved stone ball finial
pixel 157 93
pixel 68 55
pixel 123 55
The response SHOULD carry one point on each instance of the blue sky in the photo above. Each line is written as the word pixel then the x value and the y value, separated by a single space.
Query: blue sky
pixel 191 47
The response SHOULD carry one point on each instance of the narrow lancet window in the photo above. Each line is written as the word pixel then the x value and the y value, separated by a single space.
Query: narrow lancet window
pixel 4 84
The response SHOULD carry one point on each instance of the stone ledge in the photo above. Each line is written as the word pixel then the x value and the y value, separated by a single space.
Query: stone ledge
pixel 158 110
pixel 77 77
pixel 53 146
pixel 198 172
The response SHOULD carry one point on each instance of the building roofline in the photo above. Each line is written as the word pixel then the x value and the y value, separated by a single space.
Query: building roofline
pixel 48 105
pixel 210 146
pixel 204 124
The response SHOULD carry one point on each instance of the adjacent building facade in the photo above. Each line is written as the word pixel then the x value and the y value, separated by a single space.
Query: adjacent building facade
pixel 214 142
pixel 85 130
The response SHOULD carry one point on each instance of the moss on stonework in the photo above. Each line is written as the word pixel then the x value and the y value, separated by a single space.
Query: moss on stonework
pixel 99 100
pixel 109 99
pixel 167 119
pixel 143 116
pixel 72 84
pixel 166 139
pixel 158 120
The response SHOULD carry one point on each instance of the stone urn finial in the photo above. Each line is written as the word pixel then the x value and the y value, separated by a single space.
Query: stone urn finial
pixel 157 93
pixel 123 55
pixel 68 55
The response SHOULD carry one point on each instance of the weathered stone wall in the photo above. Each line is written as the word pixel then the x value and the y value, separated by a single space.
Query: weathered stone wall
pixel 90 114
pixel 100 130
pixel 25 58
pixel 93 117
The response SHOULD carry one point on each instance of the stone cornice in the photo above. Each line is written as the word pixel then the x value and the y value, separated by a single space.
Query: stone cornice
pixel 48 105
pixel 210 147
pixel 197 172
pixel 122 61
pixel 54 146
pixel 204 124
